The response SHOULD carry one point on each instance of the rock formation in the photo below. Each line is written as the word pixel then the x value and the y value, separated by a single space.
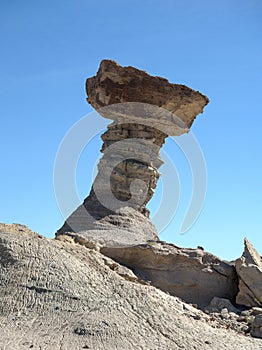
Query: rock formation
pixel 249 270
pixel 191 274
pixel 256 328
pixel 145 111
pixel 105 281
pixel 56 294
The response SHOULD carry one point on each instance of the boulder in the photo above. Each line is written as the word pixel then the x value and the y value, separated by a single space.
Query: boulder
pixel 256 328
pixel 249 270
pixel 218 304
pixel 191 274
pixel 256 311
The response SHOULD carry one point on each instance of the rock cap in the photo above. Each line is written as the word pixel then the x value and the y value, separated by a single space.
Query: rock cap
pixel 135 96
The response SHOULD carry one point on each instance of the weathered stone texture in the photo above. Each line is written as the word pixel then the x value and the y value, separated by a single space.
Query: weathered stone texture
pixel 192 274
pixel 92 222
pixel 137 159
pixel 256 329
pixel 249 270
pixel 145 110
pixel 114 84
pixel 56 294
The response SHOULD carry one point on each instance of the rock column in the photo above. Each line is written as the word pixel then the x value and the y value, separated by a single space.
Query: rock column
pixel 137 158
pixel 145 110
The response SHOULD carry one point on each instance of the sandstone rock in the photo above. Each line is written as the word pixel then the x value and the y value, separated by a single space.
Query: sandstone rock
pixel 251 255
pixel 256 328
pixel 250 320
pixel 246 313
pixel 224 314
pixel 245 296
pixel 256 311
pixel 145 110
pixel 218 304
pixel 191 274
pixel 124 227
pixel 114 84
pixel 60 295
pixel 249 270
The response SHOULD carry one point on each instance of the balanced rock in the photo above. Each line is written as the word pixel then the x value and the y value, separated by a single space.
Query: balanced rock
pixel 249 270
pixel 133 94
pixel 191 274
pixel 144 110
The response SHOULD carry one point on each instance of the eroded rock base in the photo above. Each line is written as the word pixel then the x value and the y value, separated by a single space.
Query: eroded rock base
pixel 56 294
pixel 126 180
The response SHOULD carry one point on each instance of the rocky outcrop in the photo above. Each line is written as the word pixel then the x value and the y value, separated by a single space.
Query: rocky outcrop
pixel 114 85
pixel 249 270
pixel 126 226
pixel 56 294
pixel 191 274
pixel 145 110
pixel 240 319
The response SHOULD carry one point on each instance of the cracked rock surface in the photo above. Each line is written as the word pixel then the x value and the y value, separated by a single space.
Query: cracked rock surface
pixel 56 294
pixel 249 270
pixel 114 84
pixel 191 274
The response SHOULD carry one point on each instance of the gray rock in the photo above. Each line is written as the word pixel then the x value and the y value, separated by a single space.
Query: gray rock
pixel 56 294
pixel 250 319
pixel 233 315
pixel 249 270
pixel 256 327
pixel 242 318
pixel 218 304
pixel 145 110
pixel 191 274
pixel 246 313
pixel 224 313
pixel 256 311
pixel 124 227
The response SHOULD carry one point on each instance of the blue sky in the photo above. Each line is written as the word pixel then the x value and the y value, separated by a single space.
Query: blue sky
pixel 49 48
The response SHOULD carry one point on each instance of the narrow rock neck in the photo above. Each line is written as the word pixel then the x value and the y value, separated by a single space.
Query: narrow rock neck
pixel 128 170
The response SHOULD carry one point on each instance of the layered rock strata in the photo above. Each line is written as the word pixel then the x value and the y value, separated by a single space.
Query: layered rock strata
pixel 193 275
pixel 145 110
pixel 144 147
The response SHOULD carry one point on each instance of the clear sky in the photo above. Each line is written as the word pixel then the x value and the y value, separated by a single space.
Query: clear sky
pixel 49 48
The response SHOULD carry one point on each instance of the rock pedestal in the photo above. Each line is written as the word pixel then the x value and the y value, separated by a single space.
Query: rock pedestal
pixel 145 110
pixel 134 151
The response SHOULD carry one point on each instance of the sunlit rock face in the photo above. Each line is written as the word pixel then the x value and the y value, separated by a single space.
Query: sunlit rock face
pixel 114 84
pixel 249 269
pixel 144 110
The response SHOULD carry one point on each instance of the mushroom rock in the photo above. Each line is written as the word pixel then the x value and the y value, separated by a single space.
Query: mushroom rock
pixel 144 110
